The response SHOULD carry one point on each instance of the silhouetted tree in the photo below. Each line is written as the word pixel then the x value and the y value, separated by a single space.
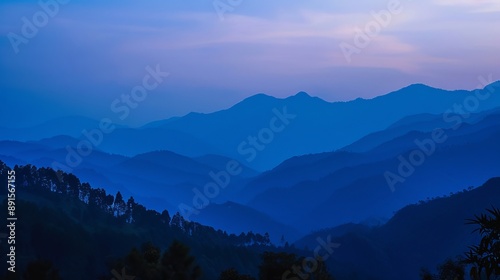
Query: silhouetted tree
pixel 85 192
pixel 129 212
pixel 108 203
pixel 175 264
pixel 179 264
pixel 177 220
pixel 97 198
pixel 165 217
pixel 139 214
pixel 74 185
pixel 485 257
pixel 119 205
pixel 267 238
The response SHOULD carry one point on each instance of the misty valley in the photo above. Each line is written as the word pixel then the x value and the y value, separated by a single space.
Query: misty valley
pixel 392 204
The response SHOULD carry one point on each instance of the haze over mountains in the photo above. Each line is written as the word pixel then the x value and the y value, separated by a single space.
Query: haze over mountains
pixel 295 166
pixel 317 157
pixel 417 236
pixel 311 125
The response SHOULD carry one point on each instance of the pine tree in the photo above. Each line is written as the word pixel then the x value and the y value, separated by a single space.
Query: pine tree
pixel 179 264
pixel 119 205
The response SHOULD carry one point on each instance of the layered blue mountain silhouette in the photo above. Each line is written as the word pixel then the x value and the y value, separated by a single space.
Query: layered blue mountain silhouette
pixel 468 157
pixel 306 164
pixel 314 125
pixel 421 235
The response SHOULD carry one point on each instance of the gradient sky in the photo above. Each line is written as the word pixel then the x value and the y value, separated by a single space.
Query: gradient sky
pixel 91 52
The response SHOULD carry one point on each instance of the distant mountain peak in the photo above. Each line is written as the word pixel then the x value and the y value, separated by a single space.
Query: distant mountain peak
pixel 302 94
pixel 417 86
pixel 257 98
pixel 260 96
pixel 421 87
pixel 410 90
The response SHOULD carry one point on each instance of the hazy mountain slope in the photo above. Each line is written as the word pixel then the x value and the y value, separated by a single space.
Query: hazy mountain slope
pixel 301 169
pixel 423 123
pixel 130 142
pixel 314 125
pixel 229 217
pixel 71 126
pixel 373 147
pixel 283 128
pixel 422 235
pixel 360 191
pixel 220 163
pixel 160 179
pixel 450 169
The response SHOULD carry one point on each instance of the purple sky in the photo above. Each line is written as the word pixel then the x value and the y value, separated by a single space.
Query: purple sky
pixel 88 53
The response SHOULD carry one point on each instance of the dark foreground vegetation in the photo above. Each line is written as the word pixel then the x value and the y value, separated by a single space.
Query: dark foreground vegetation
pixel 70 230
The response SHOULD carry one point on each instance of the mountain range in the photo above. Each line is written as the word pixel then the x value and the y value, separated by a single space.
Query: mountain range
pixel 303 125
pixel 300 157
pixel 391 180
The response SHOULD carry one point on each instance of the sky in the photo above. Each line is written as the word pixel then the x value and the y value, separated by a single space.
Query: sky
pixel 81 56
